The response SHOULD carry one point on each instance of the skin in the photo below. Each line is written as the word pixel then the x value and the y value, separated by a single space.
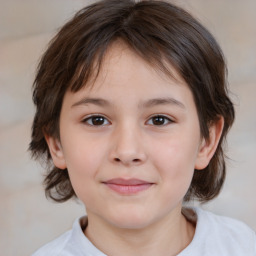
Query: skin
pixel 130 141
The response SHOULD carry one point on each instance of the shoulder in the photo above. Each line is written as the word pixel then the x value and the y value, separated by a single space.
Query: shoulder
pixel 219 235
pixel 224 225
pixel 73 242
pixel 226 234
pixel 54 247
pixel 68 243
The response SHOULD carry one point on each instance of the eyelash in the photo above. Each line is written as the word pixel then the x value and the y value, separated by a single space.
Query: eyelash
pixel 86 120
pixel 166 119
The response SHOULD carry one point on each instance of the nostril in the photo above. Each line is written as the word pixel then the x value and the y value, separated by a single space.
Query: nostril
pixel 136 160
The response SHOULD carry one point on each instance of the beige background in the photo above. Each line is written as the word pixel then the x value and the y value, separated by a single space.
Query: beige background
pixel 27 219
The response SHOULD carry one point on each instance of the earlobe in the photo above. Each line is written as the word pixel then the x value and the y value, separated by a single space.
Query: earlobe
pixel 208 147
pixel 56 151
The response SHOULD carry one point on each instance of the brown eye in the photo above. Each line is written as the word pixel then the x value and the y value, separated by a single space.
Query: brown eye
pixel 159 120
pixel 96 121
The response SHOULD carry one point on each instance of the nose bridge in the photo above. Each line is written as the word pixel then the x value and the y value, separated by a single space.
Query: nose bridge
pixel 128 145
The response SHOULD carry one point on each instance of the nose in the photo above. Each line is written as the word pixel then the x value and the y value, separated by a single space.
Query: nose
pixel 128 147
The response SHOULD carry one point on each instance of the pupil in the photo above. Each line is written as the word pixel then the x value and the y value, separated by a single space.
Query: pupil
pixel 158 120
pixel 97 120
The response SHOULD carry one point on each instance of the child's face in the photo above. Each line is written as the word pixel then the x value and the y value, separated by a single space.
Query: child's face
pixel 132 163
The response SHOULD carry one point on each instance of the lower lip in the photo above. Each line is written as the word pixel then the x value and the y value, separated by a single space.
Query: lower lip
pixel 128 189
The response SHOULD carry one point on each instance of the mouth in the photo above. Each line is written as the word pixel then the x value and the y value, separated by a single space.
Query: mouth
pixel 128 186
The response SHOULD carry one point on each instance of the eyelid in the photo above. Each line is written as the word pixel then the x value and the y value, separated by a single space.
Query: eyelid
pixel 170 120
pixel 86 118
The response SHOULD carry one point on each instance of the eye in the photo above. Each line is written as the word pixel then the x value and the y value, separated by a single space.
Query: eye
pixel 159 120
pixel 96 120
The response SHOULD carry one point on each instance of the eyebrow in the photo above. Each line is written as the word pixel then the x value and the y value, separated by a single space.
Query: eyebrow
pixel 162 101
pixel 96 101
pixel 147 104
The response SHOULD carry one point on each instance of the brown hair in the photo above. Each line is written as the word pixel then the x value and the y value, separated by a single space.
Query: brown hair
pixel 160 33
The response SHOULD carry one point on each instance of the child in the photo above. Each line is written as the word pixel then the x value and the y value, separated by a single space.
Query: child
pixel 131 115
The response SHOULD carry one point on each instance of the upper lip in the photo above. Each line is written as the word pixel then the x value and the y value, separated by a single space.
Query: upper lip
pixel 127 182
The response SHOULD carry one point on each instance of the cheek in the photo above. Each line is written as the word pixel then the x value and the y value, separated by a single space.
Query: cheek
pixel 82 151
pixel 176 152
pixel 175 167
pixel 175 159
pixel 84 158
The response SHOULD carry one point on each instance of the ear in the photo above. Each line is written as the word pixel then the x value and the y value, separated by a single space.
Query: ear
pixel 56 151
pixel 208 147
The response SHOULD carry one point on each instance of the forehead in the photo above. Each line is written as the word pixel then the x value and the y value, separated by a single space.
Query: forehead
pixel 124 74
pixel 121 63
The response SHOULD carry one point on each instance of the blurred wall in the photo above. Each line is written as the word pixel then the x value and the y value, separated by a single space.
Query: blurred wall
pixel 27 219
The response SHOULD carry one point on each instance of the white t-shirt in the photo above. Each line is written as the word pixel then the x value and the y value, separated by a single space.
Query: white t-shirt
pixel 214 236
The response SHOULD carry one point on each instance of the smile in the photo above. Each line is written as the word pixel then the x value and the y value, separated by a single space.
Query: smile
pixel 128 187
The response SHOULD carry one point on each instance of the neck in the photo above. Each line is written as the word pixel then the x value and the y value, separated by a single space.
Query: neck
pixel 169 236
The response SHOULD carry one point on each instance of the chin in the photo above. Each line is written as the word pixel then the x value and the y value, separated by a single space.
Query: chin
pixel 131 220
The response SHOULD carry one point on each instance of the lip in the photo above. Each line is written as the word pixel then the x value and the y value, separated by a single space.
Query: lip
pixel 128 186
